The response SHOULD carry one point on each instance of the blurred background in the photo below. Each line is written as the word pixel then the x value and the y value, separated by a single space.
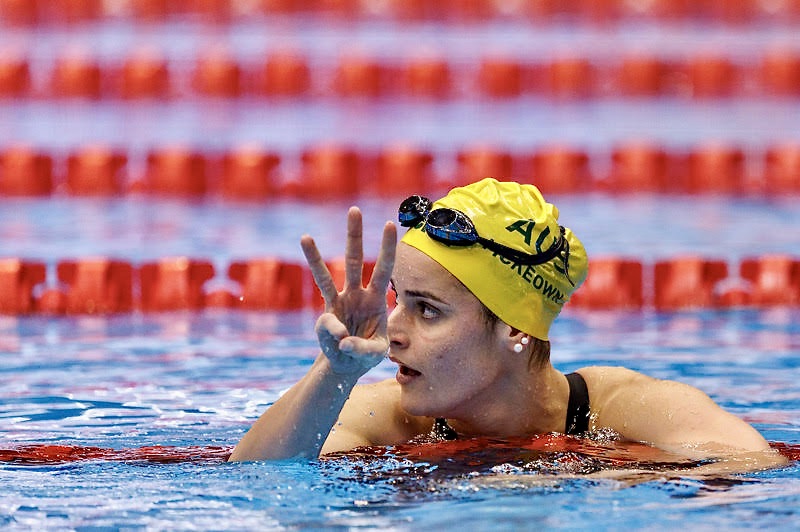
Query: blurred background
pixel 193 134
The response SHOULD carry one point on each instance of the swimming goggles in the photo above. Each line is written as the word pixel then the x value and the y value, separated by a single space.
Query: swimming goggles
pixel 454 228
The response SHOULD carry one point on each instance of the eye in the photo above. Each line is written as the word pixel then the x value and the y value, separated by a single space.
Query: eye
pixel 427 311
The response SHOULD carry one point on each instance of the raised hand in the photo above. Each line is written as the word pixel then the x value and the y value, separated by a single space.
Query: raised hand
pixel 352 329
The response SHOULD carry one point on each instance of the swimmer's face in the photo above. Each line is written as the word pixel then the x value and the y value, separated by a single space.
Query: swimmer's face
pixel 453 363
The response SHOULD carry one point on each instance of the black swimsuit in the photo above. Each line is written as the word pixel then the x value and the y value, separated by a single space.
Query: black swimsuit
pixel 577 411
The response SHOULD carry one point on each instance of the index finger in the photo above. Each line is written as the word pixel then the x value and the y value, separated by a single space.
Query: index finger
pixel 322 276
pixel 382 273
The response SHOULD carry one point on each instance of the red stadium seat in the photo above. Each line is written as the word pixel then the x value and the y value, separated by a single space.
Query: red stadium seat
pixel 404 170
pixel 426 77
pixel 75 75
pixel 176 171
pixel 641 75
pixel 568 78
pixel 217 75
pixel 775 279
pixel 18 278
pixel 20 12
pixel 329 171
pixel 283 74
pixel 782 169
pixel 25 172
pixel 96 171
pixel 780 73
pixel 360 77
pixel 144 74
pixel 558 170
pixel 15 76
pixel 712 76
pixel 612 283
pixel 174 284
pixel 640 167
pixel 249 173
pixel 502 78
pixel 269 284
pixel 715 168
pixel 687 282
pixel 97 286
pixel 478 162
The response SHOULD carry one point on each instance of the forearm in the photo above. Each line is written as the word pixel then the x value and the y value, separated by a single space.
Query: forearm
pixel 299 422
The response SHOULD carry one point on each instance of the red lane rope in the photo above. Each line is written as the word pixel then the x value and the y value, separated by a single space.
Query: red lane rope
pixel 58 454
pixel 614 454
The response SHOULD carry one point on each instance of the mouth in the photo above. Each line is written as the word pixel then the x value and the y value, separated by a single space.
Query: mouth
pixel 405 374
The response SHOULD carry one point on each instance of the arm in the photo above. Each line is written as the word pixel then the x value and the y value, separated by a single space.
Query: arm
pixel 352 337
pixel 675 417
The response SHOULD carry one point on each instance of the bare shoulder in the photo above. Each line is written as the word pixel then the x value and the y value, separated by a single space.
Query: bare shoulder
pixel 669 414
pixel 373 413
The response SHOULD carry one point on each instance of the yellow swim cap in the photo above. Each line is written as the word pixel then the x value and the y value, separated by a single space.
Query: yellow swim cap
pixel 526 297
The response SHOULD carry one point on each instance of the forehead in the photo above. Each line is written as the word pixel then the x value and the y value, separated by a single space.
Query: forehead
pixel 415 271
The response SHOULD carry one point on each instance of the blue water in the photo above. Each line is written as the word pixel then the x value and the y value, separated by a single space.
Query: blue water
pixel 183 380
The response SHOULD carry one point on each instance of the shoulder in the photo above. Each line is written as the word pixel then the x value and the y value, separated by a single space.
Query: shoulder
pixel 666 413
pixel 373 412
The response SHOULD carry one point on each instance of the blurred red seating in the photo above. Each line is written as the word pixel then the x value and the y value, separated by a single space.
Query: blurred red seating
pixel 559 169
pixel 404 170
pixel 568 78
pixel 97 286
pixel 25 171
pixel 426 77
pixel 96 170
pixel 687 282
pixel 642 75
pixel 477 162
pixel 329 171
pixel 218 75
pixel 640 167
pixel 17 281
pixel 173 284
pixel 712 76
pixel 283 74
pixel 357 76
pixel 269 284
pixel 145 74
pixel 782 169
pixel 775 279
pixel 20 12
pixel 177 171
pixel 502 78
pixel 780 73
pixel 715 168
pixel 249 173
pixel 15 76
pixel 612 283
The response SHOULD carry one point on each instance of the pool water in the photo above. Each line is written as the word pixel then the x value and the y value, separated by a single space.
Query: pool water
pixel 124 421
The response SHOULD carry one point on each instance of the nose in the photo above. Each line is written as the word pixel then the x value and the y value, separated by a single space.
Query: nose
pixel 398 338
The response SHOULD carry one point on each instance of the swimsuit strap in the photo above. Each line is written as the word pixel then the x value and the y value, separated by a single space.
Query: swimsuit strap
pixel 578 407
pixel 442 431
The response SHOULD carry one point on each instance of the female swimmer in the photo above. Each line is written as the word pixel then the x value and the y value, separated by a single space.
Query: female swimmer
pixel 479 277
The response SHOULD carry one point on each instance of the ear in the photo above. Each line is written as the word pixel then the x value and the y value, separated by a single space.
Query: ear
pixel 510 337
